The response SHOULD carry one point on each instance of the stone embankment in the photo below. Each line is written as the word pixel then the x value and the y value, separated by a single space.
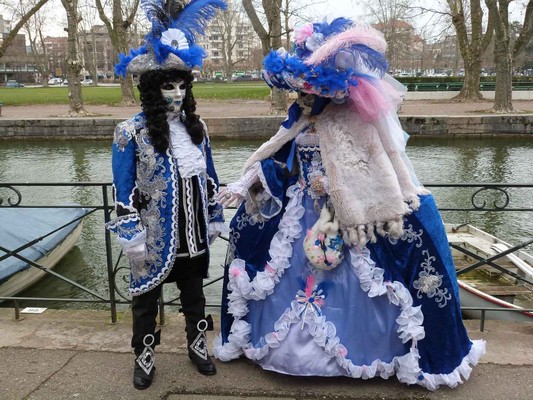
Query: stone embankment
pixel 249 120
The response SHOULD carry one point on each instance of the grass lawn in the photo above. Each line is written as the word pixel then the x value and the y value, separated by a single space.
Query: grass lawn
pixel 110 95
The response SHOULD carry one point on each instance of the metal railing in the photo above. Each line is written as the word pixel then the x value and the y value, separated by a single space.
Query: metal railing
pixel 456 86
pixel 501 196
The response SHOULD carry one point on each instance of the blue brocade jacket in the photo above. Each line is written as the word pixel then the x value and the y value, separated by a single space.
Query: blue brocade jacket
pixel 147 188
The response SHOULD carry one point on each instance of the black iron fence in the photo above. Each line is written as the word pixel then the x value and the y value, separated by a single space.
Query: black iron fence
pixel 463 198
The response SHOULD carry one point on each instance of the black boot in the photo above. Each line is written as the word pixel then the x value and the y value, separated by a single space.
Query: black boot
pixel 143 372
pixel 197 345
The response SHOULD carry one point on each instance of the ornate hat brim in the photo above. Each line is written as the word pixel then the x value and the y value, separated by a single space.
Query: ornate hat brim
pixel 147 62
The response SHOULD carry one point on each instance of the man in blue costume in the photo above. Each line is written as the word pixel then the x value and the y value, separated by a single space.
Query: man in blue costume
pixel 338 263
pixel 165 182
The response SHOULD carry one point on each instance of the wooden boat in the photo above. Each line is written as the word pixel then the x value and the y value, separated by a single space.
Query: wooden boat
pixel 488 286
pixel 20 226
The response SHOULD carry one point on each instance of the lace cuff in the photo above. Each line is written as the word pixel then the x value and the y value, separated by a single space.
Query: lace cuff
pixel 250 177
pixel 137 240
pixel 217 227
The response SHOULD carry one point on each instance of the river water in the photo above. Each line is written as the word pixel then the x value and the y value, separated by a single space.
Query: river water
pixel 436 160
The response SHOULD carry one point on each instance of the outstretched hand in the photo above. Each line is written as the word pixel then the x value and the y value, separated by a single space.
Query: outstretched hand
pixel 226 197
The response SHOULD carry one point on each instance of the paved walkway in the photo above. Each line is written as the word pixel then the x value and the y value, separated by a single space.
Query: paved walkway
pixel 236 108
pixel 67 354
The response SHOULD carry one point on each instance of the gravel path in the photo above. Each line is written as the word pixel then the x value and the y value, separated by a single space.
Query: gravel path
pixel 219 109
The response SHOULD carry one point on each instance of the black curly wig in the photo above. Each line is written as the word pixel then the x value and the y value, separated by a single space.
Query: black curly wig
pixel 155 108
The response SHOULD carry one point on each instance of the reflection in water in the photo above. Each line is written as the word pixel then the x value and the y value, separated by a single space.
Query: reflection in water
pixel 434 159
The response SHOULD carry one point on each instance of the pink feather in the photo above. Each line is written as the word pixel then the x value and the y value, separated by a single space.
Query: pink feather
pixel 359 35
pixel 373 98
pixel 310 285
pixel 368 99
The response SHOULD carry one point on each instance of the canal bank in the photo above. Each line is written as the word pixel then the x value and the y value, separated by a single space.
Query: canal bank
pixel 65 354
pixel 248 120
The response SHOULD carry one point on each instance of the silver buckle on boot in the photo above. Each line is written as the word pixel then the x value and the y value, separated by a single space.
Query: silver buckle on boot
pixel 146 359
pixel 199 344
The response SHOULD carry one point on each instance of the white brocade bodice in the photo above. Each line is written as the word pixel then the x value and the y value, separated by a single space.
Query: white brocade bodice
pixel 309 157
pixel 190 159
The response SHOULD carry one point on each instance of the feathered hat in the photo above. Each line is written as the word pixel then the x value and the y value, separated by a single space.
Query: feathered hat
pixel 337 60
pixel 171 42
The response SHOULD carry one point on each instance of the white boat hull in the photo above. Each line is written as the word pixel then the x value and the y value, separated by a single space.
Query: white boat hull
pixel 28 277
pixel 471 297
pixel 485 245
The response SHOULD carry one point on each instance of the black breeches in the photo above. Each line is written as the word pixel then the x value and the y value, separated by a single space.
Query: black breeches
pixel 187 273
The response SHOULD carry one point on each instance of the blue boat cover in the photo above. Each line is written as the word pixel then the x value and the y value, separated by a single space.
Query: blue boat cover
pixel 19 226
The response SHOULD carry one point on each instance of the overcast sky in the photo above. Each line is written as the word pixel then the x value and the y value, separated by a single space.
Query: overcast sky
pixel 336 8
pixel 318 9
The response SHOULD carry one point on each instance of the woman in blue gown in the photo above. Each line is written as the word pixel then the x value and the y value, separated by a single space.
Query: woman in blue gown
pixel 338 263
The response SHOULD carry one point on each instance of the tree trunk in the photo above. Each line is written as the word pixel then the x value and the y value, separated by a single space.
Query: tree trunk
pixel 278 103
pixel 503 96
pixel 270 39
pixel 126 88
pixel 118 33
pixel 470 90
pixel 74 66
pixel 472 44
pixel 126 84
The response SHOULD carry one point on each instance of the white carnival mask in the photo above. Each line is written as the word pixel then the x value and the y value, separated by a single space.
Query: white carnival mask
pixel 173 94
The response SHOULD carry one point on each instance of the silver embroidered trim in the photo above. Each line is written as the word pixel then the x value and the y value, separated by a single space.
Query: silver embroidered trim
pixel 409 235
pixel 199 344
pixel 429 282
pixel 189 215
pixel 146 359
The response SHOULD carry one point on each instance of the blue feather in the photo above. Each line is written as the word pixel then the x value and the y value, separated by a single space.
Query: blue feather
pixel 150 8
pixel 124 60
pixel 369 58
pixel 194 17
pixel 338 25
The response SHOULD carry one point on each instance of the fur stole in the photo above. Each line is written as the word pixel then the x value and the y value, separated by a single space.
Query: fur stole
pixel 370 187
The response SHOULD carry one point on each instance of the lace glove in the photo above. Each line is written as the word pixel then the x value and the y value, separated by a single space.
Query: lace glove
pixel 237 190
pixel 135 248
pixel 136 254
pixel 215 229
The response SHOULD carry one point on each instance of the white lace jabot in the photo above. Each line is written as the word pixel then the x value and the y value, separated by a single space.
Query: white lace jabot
pixel 190 159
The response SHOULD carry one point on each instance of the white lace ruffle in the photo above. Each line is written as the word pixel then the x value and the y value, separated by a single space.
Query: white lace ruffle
pixel 217 227
pixel 269 205
pixel 371 280
pixel 136 240
pixel 191 161
pixel 453 379
pixel 323 332
pixel 242 289
pixel 246 181
pixel 289 229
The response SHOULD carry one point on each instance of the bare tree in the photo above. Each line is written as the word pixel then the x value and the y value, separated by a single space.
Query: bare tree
pixel 390 18
pixel 24 18
pixel 229 26
pixel 74 65
pixel 34 31
pixel 270 37
pixel 472 43
pixel 88 42
pixel 118 28
pixel 505 51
